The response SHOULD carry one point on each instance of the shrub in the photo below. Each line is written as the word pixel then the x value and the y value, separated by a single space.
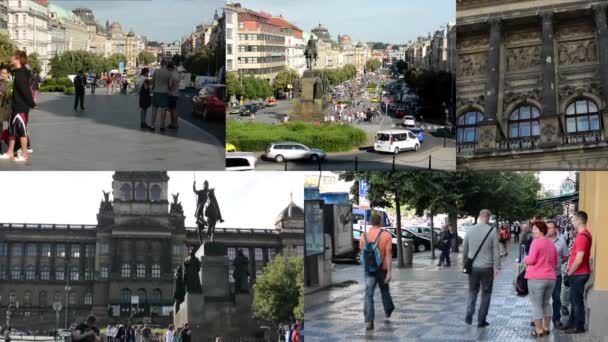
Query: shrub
pixel 254 136
pixel 65 82
pixel 69 91
pixel 49 82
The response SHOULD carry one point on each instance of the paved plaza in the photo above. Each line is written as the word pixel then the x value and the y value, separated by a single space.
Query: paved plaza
pixel 430 305
pixel 107 136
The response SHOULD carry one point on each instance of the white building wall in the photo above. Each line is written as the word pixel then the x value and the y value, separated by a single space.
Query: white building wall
pixel 28 28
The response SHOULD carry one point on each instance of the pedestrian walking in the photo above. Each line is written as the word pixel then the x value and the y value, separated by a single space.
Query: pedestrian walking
pixel 22 102
pixel 186 334
pixel 80 83
pixel 562 256
pixel 516 232
pixel 143 88
pixel 169 333
pixel 7 334
pixel 281 332
pixel 160 97
pixel 503 238
pixel 480 248
pixel 109 84
pixel 146 333
pixel 578 273
pixel 540 272
pixel 87 331
pixel 295 335
pixel 376 253
pixel 6 88
pixel 174 82
pixel 445 243
pixel 176 336
pixel 94 83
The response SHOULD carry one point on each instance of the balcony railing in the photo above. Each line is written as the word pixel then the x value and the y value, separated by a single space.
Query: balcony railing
pixel 518 144
pixel 583 138
pixel 465 150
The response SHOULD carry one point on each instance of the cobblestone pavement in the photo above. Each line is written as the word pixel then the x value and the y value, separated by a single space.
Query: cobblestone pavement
pixel 430 305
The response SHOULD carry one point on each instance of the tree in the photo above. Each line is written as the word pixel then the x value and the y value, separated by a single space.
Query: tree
pixel 373 64
pixel 34 61
pixel 72 62
pixel 401 66
pixel 146 57
pixel 6 50
pixel 177 59
pixel 233 85
pixel 198 64
pixel 279 292
pixel 114 60
pixel 284 78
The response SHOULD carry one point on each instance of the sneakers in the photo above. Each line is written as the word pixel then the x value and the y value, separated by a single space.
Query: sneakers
pixel 369 326
pixel 4 156
pixel 558 325
pixel 574 331
pixel 389 313
pixel 20 159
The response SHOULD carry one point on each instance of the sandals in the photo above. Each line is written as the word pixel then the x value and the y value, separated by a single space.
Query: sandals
pixel 537 334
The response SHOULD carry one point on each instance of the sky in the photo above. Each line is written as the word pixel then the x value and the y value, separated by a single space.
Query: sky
pixel 247 200
pixel 158 20
pixel 389 21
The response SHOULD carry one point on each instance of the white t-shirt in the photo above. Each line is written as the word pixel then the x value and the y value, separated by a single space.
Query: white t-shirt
pixel 169 336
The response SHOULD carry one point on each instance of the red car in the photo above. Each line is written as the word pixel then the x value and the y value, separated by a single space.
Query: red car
pixel 209 103
pixel 399 113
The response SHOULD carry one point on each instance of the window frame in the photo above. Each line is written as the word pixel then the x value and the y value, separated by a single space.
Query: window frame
pixel 464 127
pixel 532 120
pixel 588 115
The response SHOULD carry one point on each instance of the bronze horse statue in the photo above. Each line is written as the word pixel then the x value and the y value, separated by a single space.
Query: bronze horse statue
pixel 311 53
pixel 213 214
pixel 207 211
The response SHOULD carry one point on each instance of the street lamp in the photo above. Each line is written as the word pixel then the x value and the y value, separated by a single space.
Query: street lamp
pixel 67 293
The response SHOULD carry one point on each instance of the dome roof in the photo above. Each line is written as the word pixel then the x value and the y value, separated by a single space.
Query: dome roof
pixel 321 32
pixel 291 212
pixel 115 27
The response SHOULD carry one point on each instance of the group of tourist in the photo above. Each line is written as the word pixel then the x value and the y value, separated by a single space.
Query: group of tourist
pixel 17 99
pixel 291 332
pixel 160 92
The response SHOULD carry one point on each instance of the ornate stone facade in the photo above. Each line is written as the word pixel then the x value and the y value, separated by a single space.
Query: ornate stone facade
pixel 542 57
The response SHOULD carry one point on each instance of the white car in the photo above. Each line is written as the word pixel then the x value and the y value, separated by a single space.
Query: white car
pixel 409 121
pixel 395 141
pixel 289 150
pixel 240 161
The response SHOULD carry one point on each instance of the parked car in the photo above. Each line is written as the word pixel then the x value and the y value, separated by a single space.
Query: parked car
pixel 246 111
pixel 400 113
pixel 271 102
pixel 235 110
pixel 421 243
pixel 240 161
pixel 289 150
pixel 209 103
pixel 419 132
pixel 395 141
pixel 409 121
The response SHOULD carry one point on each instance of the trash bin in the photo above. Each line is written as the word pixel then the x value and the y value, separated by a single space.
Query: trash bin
pixel 408 251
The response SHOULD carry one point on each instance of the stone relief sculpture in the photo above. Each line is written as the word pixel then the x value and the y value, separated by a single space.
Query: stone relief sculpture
pixel 568 90
pixel 176 205
pixel 571 31
pixel 106 204
pixel 473 42
pixel 467 102
pixel 522 36
pixel 472 64
pixel 583 51
pixel 512 97
pixel 523 58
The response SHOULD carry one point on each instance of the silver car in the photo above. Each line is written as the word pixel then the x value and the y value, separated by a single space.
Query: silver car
pixel 288 150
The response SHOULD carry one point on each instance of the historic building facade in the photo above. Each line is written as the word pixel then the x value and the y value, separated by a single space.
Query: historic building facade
pixel 124 265
pixel 532 84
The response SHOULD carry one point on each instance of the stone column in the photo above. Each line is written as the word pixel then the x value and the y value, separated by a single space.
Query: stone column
pixel 601 28
pixel 489 130
pixel 549 120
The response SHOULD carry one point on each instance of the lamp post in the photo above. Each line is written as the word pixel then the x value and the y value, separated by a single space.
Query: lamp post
pixel 67 294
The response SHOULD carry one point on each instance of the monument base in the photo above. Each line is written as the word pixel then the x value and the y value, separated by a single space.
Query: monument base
pixel 307 110
pixel 189 309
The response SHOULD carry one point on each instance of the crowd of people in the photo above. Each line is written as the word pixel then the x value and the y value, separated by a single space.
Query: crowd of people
pixel 290 332
pixel 161 92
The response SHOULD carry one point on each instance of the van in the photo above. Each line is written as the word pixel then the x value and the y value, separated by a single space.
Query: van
pixel 395 141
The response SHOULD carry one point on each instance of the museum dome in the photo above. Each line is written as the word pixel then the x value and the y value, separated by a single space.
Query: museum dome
pixel 321 32
pixel 115 27
pixel 345 40
pixel 291 212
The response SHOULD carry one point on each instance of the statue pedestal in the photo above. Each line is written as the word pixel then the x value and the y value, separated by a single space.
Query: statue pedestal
pixel 307 108
pixel 214 271
pixel 189 309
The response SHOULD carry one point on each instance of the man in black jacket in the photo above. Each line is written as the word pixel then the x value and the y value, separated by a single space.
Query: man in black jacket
pixel 80 83
pixel 22 102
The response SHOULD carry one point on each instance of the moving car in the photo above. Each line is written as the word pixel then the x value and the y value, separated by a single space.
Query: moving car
pixel 419 132
pixel 289 150
pixel 395 141
pixel 245 111
pixel 271 102
pixel 240 161
pixel 409 121
pixel 421 244
pixel 209 103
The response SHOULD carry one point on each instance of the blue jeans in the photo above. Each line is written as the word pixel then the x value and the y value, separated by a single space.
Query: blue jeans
pixel 143 114
pixel 370 288
pixel 445 256
pixel 556 299
pixel 577 302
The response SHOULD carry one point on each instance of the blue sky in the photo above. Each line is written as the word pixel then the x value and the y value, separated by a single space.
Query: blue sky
pixel 161 20
pixel 393 21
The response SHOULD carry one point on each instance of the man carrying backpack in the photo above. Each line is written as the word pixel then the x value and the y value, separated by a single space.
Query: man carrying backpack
pixel 80 83
pixel 376 256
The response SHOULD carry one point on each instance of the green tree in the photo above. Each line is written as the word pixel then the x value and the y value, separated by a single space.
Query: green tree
pixel 72 62
pixel 233 85
pixel 6 49
pixel 146 57
pixel 33 59
pixel 373 64
pixel 198 64
pixel 284 78
pixel 279 292
pixel 401 66
pixel 114 60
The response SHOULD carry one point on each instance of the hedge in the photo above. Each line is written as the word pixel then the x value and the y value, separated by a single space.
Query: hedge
pixel 69 91
pixel 56 84
pixel 255 136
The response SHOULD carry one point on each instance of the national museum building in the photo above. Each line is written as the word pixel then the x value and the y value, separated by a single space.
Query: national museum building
pixel 532 84
pixel 124 266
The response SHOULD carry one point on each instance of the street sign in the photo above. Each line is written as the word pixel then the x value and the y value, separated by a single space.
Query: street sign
pixel 57 306
pixel 121 67
pixel 363 187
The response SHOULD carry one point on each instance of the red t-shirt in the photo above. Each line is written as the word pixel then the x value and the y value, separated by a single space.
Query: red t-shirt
pixel 581 244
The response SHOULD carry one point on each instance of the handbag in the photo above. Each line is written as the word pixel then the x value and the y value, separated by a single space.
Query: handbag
pixel 468 263
pixel 521 284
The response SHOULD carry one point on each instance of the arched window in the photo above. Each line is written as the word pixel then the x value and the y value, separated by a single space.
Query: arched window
pixel 141 271
pixel 74 273
pixel 125 192
pixel 155 191
pixel 466 127
pixel 140 192
pixel 72 298
pixel 57 297
pixel 156 271
pixel 582 115
pixel 42 298
pixel 59 273
pixel 29 272
pixel 88 298
pixel 12 297
pixel 125 271
pixel 524 122
pixel 45 274
pixel 143 298
pixel 27 298
pixel 125 296
pixel 157 297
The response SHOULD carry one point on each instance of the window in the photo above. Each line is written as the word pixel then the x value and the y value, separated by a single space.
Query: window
pixel 141 271
pixel 125 192
pixel 143 298
pixel 2 272
pixel 466 127
pixel 104 248
pixel 30 250
pixel 259 254
pixel 582 116
pixel 156 297
pixel 12 297
pixel 125 296
pixel 229 49
pixel 72 298
pixel 103 272
pixel 177 249
pixel 231 253
pixel 89 251
pixel 3 249
pixel 16 272
pixel 140 192
pixel 155 193
pixel 57 297
pixel 60 251
pixel 75 251
pixel 45 273
pixel 524 122
pixel 74 273
pixel 229 32
pixel 46 250
pixel 16 250
pixel 88 299
pixel 125 271
pixel 42 298
pixel 27 298
pixel 156 271
pixel 29 272
pixel 271 253
pixel 59 273
pixel 88 274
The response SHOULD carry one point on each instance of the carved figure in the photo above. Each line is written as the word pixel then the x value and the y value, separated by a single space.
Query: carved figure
pixel 241 272
pixel 192 280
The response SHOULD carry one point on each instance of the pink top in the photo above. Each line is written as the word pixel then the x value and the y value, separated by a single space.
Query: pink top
pixel 542 259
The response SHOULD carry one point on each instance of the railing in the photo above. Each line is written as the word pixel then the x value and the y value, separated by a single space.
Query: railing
pixel 467 150
pixel 583 138
pixel 47 226
pixel 518 144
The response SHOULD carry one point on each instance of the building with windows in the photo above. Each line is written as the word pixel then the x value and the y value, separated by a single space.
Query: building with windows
pixel 170 50
pixel 532 84
pixel 76 31
pixel 294 45
pixel 3 16
pixel 232 22
pixel 123 266
pixel 28 25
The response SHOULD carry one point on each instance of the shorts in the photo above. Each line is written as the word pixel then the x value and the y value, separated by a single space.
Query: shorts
pixel 172 102
pixel 18 125
pixel 160 100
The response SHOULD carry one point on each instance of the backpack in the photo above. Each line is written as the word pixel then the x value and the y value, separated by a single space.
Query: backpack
pixel 372 259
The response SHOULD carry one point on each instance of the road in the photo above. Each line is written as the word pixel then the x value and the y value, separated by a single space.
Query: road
pixel 107 136
pixel 430 305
